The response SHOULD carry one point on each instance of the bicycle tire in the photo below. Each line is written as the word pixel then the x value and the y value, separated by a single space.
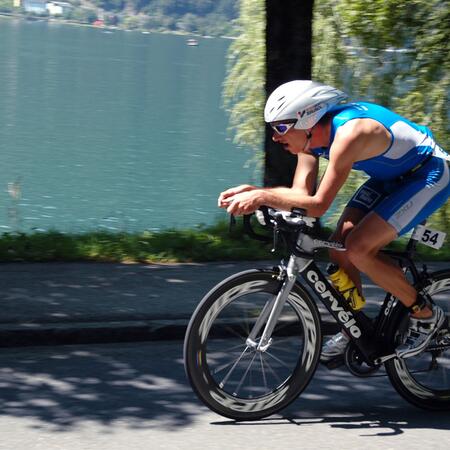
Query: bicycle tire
pixel 423 380
pixel 215 323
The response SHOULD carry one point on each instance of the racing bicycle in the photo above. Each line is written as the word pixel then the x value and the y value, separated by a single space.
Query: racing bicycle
pixel 254 341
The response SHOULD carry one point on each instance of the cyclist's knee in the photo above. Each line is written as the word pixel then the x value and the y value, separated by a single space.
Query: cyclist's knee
pixel 342 231
pixel 359 248
pixel 340 234
pixel 347 222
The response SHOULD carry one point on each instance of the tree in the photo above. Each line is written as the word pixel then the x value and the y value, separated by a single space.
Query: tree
pixel 83 15
pixel 252 75
pixel 110 5
pixel 243 89
pixel 396 53
pixel 409 44
pixel 288 40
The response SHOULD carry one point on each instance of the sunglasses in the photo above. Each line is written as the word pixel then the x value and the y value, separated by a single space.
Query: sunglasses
pixel 282 128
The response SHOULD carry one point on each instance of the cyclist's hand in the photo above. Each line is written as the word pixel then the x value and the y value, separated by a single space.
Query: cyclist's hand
pixel 245 202
pixel 225 196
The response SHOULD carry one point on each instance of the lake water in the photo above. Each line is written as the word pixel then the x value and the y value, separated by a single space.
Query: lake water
pixel 121 131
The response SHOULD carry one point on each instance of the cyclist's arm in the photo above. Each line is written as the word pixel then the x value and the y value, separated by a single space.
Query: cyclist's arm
pixel 301 194
pixel 305 178
pixel 342 157
pixel 304 183
pixel 223 196
pixel 357 140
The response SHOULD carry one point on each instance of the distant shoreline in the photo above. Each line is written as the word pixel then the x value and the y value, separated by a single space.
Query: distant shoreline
pixel 105 27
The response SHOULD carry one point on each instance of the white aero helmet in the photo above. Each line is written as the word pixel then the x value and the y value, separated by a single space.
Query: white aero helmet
pixel 304 100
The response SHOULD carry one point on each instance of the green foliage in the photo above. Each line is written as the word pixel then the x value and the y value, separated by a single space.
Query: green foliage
pixel 393 53
pixel 132 23
pixel 205 17
pixel 83 15
pixel 408 47
pixel 208 17
pixel 397 53
pixel 110 5
pixel 243 90
pixel 214 243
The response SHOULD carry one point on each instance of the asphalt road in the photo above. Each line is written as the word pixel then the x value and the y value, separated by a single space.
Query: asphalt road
pixel 78 303
pixel 135 395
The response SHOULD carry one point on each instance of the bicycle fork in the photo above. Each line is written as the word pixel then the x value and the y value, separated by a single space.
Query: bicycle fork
pixel 272 310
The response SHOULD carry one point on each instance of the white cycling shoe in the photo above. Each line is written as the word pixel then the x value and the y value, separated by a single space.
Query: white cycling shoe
pixel 334 347
pixel 420 333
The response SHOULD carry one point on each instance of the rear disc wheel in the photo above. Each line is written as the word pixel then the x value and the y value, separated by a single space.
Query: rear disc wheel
pixel 424 380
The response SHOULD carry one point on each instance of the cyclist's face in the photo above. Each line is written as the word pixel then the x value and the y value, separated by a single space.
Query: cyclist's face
pixel 294 141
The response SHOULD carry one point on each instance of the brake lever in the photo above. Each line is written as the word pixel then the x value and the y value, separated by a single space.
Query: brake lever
pixel 276 234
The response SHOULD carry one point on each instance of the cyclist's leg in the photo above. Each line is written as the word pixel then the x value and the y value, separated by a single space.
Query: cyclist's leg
pixel 363 245
pixel 365 198
pixel 349 219
pixel 410 202
pixel 369 194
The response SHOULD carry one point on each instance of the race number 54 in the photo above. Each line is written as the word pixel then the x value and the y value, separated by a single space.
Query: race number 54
pixel 429 237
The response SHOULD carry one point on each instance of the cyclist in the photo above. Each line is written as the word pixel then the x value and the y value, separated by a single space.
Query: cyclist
pixel 408 180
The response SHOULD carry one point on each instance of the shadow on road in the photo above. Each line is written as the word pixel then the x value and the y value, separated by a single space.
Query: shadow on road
pixel 376 422
pixel 143 385
pixel 61 387
pixel 343 401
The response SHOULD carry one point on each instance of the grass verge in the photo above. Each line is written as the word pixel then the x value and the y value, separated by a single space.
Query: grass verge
pixel 212 243
pixel 205 243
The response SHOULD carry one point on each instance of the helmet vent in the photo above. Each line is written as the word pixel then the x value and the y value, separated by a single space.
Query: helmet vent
pixel 281 104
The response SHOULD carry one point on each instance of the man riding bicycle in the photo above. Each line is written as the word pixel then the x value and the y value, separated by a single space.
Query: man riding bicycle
pixel 409 180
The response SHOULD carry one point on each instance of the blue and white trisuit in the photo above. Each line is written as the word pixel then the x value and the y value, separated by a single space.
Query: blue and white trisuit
pixel 409 181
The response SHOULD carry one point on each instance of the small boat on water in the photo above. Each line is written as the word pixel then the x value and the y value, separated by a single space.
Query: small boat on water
pixel 192 42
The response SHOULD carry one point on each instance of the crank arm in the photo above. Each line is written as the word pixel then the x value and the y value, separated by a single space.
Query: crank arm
pixel 383 359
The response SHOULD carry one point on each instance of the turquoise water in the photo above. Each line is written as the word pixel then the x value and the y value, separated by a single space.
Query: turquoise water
pixel 121 131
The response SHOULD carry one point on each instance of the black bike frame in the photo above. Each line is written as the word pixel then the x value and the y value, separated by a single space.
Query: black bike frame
pixel 357 325
pixel 368 335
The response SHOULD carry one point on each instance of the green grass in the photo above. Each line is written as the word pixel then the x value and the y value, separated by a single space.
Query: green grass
pixel 214 243
pixel 204 243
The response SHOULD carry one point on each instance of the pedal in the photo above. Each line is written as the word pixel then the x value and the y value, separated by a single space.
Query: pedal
pixel 334 363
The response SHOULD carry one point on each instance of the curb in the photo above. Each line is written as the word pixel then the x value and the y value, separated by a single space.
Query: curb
pixel 103 333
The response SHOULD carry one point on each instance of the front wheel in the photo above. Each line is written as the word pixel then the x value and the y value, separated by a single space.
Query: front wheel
pixel 424 380
pixel 227 372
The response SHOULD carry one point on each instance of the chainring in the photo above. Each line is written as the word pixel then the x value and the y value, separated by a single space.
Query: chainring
pixel 355 362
